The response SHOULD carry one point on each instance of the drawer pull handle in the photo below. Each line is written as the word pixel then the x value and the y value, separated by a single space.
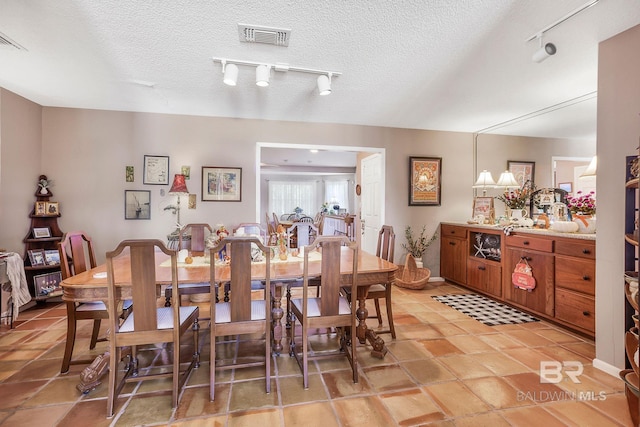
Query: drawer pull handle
pixel 452 243
pixel 526 242
pixel 482 267
pixel 526 258
pixel 586 313
pixel 586 251
pixel 586 278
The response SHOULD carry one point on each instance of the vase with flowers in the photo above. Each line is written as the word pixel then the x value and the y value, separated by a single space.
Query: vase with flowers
pixel 515 200
pixel 583 211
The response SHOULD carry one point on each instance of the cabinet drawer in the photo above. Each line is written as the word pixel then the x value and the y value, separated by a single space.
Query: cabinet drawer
pixel 576 274
pixel 582 249
pixel 577 309
pixel 527 242
pixel 453 231
pixel 486 276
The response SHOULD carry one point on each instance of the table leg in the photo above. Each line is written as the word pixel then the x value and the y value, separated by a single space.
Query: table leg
pixel 363 332
pixel 276 317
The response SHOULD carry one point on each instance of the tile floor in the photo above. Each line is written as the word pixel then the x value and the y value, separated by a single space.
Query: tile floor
pixel 444 369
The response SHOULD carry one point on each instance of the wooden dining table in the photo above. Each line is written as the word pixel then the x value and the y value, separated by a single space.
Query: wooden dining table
pixel 91 285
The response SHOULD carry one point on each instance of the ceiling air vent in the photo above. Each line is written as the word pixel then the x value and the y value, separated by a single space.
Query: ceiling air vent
pixel 7 43
pixel 267 35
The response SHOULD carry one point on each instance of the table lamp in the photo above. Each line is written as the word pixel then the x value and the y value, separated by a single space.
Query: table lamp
pixel 179 188
pixel 485 180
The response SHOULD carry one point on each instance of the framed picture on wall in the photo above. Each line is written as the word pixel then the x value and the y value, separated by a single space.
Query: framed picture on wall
pixel 523 171
pixel 425 176
pixel 137 204
pixel 221 184
pixel 483 206
pixel 566 186
pixel 156 170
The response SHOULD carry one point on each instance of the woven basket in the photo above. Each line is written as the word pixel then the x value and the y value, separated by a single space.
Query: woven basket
pixel 410 276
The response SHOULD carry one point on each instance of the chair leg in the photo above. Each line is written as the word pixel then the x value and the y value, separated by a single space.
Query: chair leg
pixel 392 328
pixel 378 312
pixel 94 334
pixel 113 373
pixel 212 363
pixel 71 337
pixel 305 356
pixel 196 340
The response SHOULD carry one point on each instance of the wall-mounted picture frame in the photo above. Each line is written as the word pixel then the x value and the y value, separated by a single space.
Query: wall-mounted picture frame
pixel 186 171
pixel 566 186
pixel 484 206
pixel 52 208
pixel 40 208
pixel 129 174
pixel 52 257
pixel 156 170
pixel 221 184
pixel 523 171
pixel 36 257
pixel 425 181
pixel 48 284
pixel 137 204
pixel 41 232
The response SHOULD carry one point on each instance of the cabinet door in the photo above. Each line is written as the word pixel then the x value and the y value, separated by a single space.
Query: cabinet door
pixel 484 276
pixel 453 259
pixel 540 299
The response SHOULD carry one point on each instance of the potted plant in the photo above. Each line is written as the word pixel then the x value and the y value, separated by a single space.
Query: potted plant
pixel 417 246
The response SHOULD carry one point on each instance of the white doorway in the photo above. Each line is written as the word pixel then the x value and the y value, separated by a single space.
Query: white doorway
pixel 372 206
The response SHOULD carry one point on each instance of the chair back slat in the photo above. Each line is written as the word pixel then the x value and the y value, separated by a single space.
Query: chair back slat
pixel 305 233
pixel 198 236
pixel 73 254
pixel 330 278
pixel 240 280
pixel 386 243
pixel 143 287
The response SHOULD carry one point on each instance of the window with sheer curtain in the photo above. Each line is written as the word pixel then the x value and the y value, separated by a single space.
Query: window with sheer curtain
pixel 337 191
pixel 285 196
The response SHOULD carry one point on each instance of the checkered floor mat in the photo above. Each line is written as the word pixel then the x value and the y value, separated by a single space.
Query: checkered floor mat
pixel 485 310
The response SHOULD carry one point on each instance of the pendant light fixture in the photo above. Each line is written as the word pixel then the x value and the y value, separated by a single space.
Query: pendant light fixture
pixel 262 75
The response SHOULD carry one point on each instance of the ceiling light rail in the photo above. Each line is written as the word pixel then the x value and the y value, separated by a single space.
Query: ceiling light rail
pixel 263 71
pixel 569 15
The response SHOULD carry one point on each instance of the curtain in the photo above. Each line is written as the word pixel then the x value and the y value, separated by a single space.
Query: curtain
pixel 285 196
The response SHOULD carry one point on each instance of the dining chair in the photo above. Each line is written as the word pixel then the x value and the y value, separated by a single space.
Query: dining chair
pixel 75 249
pixel 384 250
pixel 301 234
pixel 330 310
pixel 276 220
pixel 199 233
pixel 272 238
pixel 241 315
pixel 147 324
pixel 252 229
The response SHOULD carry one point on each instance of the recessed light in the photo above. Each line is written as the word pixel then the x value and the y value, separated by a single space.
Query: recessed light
pixel 313 151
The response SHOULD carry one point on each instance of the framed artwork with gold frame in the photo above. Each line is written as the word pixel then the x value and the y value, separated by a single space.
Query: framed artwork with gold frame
pixel 425 181
pixel 484 206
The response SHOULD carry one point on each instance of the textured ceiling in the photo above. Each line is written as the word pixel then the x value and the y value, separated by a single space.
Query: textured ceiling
pixel 460 65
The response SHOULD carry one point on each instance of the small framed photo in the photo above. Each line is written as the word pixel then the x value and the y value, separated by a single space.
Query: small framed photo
pixel 51 257
pixel 221 184
pixel 52 208
pixel 522 171
pixel 41 232
pixel 186 171
pixel 137 204
pixel 36 257
pixel 425 181
pixel 128 174
pixel 484 206
pixel 48 284
pixel 566 186
pixel 40 208
pixel 156 170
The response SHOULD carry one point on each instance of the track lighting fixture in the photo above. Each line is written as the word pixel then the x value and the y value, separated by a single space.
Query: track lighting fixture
pixel 544 51
pixel 324 84
pixel 262 75
pixel 263 71
pixel 230 74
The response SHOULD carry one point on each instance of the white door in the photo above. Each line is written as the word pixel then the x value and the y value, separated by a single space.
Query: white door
pixel 372 197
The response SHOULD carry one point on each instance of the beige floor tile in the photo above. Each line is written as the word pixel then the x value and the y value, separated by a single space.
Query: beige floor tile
pixel 482 420
pixel 318 414
pixel 292 390
pixel 500 341
pixel 531 416
pixel 15 394
pixel 527 356
pixel 440 347
pixel 527 338
pixel 500 364
pixel 388 378
pixel 614 406
pixel 578 414
pixel 363 412
pixel 41 417
pixel 407 350
pixel 465 366
pixel 247 395
pixel 470 344
pixel 456 400
pixel 340 384
pixel 412 407
pixel 195 401
pixel 428 371
pixel 496 392
pixel 262 417
pixel 152 409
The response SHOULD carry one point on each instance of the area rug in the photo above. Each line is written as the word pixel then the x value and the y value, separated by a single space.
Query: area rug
pixel 485 310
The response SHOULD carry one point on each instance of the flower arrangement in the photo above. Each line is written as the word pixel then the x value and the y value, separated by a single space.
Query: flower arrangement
pixel 417 247
pixel 583 204
pixel 517 199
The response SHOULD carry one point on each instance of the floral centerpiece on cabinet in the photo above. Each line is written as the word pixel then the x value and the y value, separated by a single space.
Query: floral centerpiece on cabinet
pixel 516 200
pixel 583 211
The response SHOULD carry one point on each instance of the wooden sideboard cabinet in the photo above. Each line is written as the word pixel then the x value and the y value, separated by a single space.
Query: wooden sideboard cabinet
pixel 482 258
pixel 453 253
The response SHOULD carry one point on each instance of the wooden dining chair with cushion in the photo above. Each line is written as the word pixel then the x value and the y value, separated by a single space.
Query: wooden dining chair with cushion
pixel 384 250
pixel 253 229
pixel 331 309
pixel 241 316
pixel 77 255
pixel 147 324
pixel 301 234
pixel 198 233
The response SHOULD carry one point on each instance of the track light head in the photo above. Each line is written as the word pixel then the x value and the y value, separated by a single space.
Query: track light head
pixel 262 75
pixel 230 74
pixel 544 52
pixel 324 84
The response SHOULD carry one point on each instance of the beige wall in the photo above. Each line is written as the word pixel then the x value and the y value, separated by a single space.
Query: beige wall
pixel 618 136
pixel 20 166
